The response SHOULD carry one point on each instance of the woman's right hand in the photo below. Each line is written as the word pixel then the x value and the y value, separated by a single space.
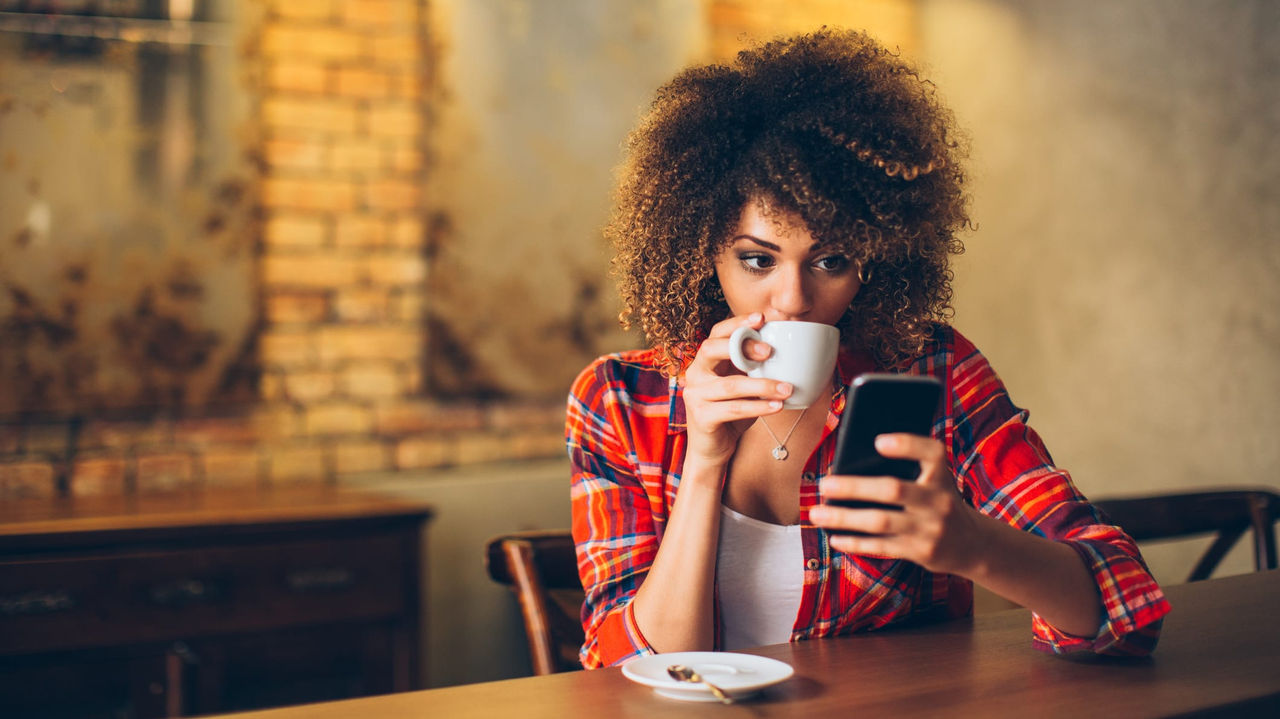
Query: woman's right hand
pixel 720 401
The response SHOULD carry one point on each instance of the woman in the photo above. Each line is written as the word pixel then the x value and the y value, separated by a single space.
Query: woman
pixel 816 179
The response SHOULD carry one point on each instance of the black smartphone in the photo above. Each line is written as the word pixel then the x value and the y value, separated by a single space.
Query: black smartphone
pixel 881 404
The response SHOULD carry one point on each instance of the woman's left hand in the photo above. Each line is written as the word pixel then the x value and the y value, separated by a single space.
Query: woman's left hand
pixel 934 529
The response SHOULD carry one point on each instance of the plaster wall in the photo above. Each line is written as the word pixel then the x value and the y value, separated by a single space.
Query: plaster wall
pixel 531 107
pixel 1125 272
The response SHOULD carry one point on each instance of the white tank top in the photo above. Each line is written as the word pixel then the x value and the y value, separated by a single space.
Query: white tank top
pixel 759 580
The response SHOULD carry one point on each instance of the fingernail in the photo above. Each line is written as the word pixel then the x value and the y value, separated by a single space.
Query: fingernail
pixel 754 317
pixel 775 404
pixel 785 388
pixel 818 514
pixel 884 441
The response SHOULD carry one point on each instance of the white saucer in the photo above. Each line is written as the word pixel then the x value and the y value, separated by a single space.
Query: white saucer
pixel 738 675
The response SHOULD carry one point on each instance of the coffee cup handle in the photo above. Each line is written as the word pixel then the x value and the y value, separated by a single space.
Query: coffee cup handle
pixel 736 340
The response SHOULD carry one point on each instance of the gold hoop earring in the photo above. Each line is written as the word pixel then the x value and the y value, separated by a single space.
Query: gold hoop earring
pixel 864 273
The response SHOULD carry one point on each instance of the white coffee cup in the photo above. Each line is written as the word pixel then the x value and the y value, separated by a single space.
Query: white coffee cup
pixel 804 355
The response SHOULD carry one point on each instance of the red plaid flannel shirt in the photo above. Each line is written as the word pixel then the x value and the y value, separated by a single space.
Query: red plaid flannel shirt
pixel 626 439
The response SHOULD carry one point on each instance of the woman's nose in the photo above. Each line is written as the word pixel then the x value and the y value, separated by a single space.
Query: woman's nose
pixel 790 294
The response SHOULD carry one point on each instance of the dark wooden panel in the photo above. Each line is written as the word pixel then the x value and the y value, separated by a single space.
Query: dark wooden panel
pixel 68 603
pixel 84 685
pixel 205 603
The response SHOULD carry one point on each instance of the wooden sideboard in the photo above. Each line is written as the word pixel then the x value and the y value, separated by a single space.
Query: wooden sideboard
pixel 217 601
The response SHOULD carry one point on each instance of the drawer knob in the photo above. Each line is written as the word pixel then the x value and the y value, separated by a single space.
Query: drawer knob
pixel 185 591
pixel 36 602
pixel 323 579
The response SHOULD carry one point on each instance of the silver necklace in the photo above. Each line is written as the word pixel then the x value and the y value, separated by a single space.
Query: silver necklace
pixel 780 452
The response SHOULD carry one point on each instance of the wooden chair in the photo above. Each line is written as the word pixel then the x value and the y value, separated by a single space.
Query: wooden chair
pixel 1226 513
pixel 542 569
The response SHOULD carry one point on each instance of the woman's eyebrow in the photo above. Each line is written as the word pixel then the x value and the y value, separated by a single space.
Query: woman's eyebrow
pixel 763 243
pixel 769 245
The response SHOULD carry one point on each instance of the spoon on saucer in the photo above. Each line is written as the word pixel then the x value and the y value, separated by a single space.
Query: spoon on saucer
pixel 681 673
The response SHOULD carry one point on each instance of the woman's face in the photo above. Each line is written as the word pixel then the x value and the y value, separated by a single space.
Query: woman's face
pixel 772 265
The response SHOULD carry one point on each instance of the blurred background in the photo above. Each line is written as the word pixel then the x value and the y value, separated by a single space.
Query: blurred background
pixel 263 242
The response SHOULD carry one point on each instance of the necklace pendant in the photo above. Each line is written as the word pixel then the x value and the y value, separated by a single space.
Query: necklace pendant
pixel 780 453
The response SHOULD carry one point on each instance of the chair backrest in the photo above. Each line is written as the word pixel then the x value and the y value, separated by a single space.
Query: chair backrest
pixel 1226 513
pixel 542 569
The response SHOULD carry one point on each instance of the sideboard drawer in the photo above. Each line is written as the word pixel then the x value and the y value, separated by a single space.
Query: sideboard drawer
pixel 73 602
pixel 207 601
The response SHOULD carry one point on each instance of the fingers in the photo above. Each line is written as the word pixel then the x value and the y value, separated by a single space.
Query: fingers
pixel 713 357
pixel 714 351
pixel 929 525
pixel 927 451
pixel 890 532
pixel 735 397
pixel 717 396
pixel 901 545
pixel 883 490
pixel 720 413
pixel 910 446
pixel 739 387
pixel 724 328
pixel 884 515
pixel 900 503
pixel 877 522
pixel 869 546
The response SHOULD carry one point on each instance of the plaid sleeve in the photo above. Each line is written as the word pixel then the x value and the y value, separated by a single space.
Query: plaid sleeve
pixel 1007 473
pixel 613 526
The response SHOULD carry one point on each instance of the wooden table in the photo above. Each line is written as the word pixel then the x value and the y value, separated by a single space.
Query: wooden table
pixel 206 601
pixel 1219 655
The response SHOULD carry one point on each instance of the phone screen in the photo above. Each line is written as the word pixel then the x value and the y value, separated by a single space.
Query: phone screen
pixel 881 404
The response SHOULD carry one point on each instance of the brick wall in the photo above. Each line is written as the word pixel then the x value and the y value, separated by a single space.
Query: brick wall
pixel 339 91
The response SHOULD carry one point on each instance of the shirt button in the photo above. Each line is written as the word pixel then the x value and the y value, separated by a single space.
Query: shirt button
pixel 807 476
pixel 812 564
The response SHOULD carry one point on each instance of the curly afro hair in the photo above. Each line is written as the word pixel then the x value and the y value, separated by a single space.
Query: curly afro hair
pixel 827 126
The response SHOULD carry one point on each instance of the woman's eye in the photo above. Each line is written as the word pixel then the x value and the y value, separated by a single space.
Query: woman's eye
pixel 756 261
pixel 833 263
